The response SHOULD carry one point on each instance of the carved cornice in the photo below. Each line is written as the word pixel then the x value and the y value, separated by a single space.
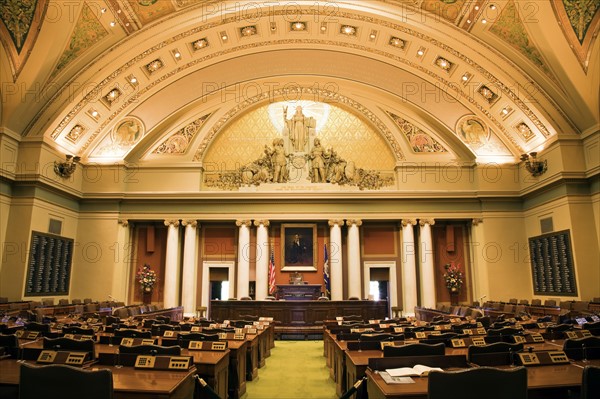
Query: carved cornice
pixel 423 222
pixel 263 222
pixel 191 222
pixel 243 222
pixel 356 222
pixel 333 222
pixel 171 222
pixel 406 222
pixel 476 221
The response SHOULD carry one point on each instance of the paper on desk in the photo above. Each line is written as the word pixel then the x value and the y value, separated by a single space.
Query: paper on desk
pixel 395 380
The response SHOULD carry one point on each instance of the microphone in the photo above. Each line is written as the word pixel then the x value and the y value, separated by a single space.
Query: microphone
pixel 584 353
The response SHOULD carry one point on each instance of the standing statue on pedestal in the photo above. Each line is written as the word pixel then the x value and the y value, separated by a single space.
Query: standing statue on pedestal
pixel 278 161
pixel 298 127
pixel 318 155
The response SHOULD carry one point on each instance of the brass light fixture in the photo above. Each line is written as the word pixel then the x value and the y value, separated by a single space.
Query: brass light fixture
pixel 66 169
pixel 533 166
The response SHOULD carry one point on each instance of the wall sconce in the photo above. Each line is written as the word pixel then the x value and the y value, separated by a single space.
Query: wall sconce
pixel 535 167
pixel 66 169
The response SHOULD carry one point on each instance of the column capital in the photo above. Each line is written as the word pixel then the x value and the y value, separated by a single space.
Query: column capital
pixel 123 222
pixel 190 222
pixel 406 222
pixel 333 222
pixel 476 221
pixel 423 222
pixel 357 222
pixel 171 222
pixel 243 222
pixel 264 222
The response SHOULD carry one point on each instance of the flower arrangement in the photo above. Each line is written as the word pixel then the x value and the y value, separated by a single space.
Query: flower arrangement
pixel 146 277
pixel 453 277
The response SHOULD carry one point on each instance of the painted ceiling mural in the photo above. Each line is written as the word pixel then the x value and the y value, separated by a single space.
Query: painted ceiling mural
pixel 88 31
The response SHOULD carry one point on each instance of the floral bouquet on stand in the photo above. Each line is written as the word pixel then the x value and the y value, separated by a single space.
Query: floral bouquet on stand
pixel 453 277
pixel 147 278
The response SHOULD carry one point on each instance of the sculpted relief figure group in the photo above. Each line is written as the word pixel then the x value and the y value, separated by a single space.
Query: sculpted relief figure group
pixel 303 160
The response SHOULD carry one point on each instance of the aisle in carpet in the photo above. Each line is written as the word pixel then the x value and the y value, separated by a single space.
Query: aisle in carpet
pixel 295 370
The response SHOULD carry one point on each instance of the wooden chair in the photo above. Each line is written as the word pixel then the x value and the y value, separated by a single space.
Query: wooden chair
pixel 10 343
pixel 578 348
pixel 414 350
pixel 65 382
pixel 477 383
pixel 590 382
pixel 475 354
pixel 78 330
pixel 68 344
pixel 203 390
pixel 151 350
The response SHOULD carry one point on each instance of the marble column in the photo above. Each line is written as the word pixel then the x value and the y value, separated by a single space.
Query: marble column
pixel 172 277
pixel 119 288
pixel 262 259
pixel 190 251
pixel 243 258
pixel 354 280
pixel 477 247
pixel 409 267
pixel 427 268
pixel 335 260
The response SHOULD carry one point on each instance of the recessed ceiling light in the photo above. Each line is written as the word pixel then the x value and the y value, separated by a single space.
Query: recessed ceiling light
pixel 420 52
pixel 484 21
pixel 476 8
pixel 112 24
pixel 492 6
pixel 103 10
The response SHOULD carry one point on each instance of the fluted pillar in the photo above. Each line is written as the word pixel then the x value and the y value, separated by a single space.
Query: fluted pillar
pixel 427 273
pixel 121 270
pixel 354 280
pixel 190 250
pixel 262 259
pixel 243 261
pixel 171 288
pixel 409 266
pixel 335 260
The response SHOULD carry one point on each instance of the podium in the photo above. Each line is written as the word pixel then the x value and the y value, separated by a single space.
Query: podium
pixel 298 291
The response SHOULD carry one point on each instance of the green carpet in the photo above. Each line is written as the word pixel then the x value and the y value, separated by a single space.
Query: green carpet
pixel 295 370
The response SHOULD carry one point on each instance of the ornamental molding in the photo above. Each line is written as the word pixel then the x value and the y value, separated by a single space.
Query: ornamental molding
pixel 335 222
pixel 202 28
pixel 262 222
pixel 354 222
pixel 193 223
pixel 243 222
pixel 423 222
pixel 171 222
pixel 407 222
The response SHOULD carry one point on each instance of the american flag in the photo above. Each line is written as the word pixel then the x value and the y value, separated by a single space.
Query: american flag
pixel 326 273
pixel 272 273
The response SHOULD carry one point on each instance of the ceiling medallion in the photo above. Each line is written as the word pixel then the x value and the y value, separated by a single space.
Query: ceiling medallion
pixel 112 96
pixel 247 31
pixel 154 66
pixel 488 94
pixel 443 64
pixel 200 44
pixel 397 42
pixel 298 26
pixel 348 30
pixel 525 131
pixel 75 134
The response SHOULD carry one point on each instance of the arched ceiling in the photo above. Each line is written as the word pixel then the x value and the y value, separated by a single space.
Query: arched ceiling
pixel 523 72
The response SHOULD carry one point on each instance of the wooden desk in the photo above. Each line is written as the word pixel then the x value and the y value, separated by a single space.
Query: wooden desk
pixel 294 313
pixel 128 382
pixel 542 382
pixel 298 291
